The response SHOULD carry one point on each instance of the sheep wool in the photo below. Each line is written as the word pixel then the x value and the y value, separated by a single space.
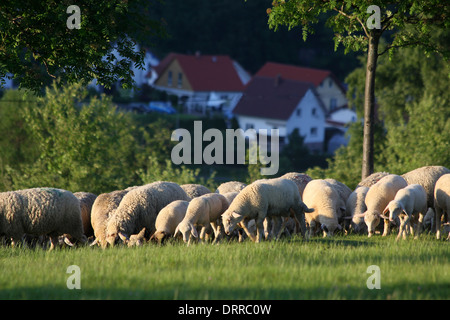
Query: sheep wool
pixel 261 199
pixel 86 201
pixel 427 178
pixel 324 198
pixel 378 197
pixel 168 219
pixel 195 190
pixel 230 186
pixel 140 207
pixel 442 202
pixel 356 206
pixel 409 202
pixel 40 211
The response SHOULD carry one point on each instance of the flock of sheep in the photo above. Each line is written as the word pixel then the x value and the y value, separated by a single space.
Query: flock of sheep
pixel 266 208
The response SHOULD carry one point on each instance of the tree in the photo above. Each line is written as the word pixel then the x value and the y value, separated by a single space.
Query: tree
pixel 38 46
pixel 359 25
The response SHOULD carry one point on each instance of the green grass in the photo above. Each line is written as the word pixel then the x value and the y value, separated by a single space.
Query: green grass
pixel 287 269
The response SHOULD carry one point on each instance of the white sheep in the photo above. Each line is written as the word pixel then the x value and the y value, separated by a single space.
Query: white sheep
pixel 104 206
pixel 409 202
pixel 323 197
pixel 300 179
pixel 427 178
pixel 195 190
pixel 442 202
pixel 356 206
pixel 372 179
pixel 261 199
pixel 203 211
pixel 168 219
pixel 377 198
pixel 41 211
pixel 139 208
pixel 230 186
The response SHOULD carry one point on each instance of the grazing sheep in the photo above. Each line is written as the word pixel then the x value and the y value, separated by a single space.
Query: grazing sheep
pixel 139 208
pixel 324 198
pixel 344 192
pixel 104 206
pixel 372 179
pixel 261 199
pixel 356 206
pixel 86 201
pixel 40 211
pixel 409 202
pixel 203 211
pixel 377 198
pixel 195 190
pixel 427 178
pixel 300 179
pixel 442 202
pixel 168 219
pixel 231 186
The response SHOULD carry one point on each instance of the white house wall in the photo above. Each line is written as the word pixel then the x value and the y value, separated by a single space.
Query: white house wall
pixel 329 90
pixel 306 121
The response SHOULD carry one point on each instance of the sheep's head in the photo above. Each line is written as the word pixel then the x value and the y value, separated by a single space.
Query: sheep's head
pixel 394 208
pixel 135 239
pixel 186 229
pixel 113 233
pixel 372 220
pixel 230 220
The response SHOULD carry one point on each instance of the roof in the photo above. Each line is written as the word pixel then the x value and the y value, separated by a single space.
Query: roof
pixel 266 97
pixel 291 72
pixel 206 72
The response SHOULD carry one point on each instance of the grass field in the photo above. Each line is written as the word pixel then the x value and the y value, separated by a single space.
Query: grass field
pixel 288 269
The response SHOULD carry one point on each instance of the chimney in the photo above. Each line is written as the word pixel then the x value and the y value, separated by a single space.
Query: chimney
pixel 277 80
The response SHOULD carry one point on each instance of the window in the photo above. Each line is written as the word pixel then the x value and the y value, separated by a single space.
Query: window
pixel 314 111
pixel 313 132
pixel 330 83
pixel 299 112
pixel 169 78
pixel 333 103
pixel 180 80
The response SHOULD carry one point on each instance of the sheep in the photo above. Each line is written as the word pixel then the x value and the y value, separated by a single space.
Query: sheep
pixel 344 192
pixel 409 202
pixel 139 208
pixel 202 211
pixel 104 206
pixel 377 198
pixel 195 190
pixel 300 179
pixel 41 211
pixel 324 198
pixel 86 201
pixel 442 202
pixel 231 186
pixel 263 199
pixel 372 179
pixel 427 178
pixel 168 219
pixel 356 206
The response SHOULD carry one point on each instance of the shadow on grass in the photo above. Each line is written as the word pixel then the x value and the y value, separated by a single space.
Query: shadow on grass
pixel 413 291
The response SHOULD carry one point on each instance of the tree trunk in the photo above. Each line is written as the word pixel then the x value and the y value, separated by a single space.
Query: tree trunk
pixel 369 105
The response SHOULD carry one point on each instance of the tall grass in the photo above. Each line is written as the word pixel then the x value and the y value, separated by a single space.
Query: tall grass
pixel 287 269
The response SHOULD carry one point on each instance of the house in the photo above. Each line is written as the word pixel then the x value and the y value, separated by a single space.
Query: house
pixel 283 104
pixel 202 82
pixel 328 87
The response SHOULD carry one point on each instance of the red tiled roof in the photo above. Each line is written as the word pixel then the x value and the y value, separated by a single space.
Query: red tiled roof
pixel 315 76
pixel 265 98
pixel 206 72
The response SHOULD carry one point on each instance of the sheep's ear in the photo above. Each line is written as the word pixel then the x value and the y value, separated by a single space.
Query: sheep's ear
pixel 123 237
pixel 386 209
pixel 194 231
pixel 94 242
pixel 383 216
pixel 67 241
pixel 141 233
pixel 359 215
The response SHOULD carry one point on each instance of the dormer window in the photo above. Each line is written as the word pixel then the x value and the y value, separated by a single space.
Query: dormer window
pixel 169 78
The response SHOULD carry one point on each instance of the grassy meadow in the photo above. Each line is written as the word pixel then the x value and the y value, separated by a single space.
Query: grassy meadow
pixel 283 270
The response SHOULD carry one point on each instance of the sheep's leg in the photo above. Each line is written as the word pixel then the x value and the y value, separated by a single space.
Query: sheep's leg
pixel 300 219
pixel 438 221
pixel 282 228
pixel 259 229
pixel 268 226
pixel 419 225
pixel 53 242
pixel 386 227
pixel 249 234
